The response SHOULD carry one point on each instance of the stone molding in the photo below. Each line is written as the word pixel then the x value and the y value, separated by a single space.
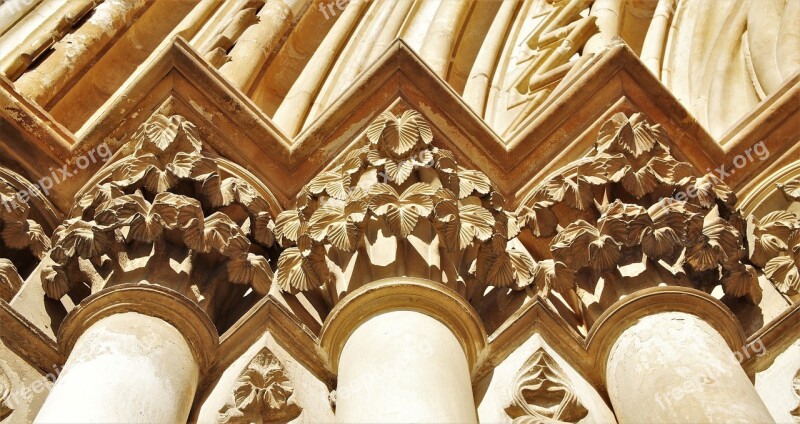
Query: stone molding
pixel 403 293
pixel 146 299
pixel 655 300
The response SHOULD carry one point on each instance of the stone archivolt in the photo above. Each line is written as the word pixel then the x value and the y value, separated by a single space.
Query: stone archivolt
pixel 543 393
pixel 167 214
pixel 261 394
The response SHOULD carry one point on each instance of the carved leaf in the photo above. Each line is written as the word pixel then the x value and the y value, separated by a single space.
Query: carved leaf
pixel 402 212
pixel 710 189
pixel 552 275
pixel 10 282
pixel 460 224
pixel 470 181
pixel 768 236
pixel 543 393
pixel 5 393
pixel 742 282
pixel 261 394
pixel 296 272
pixel 339 224
pixel 289 226
pixel 580 244
pixel 82 238
pixel 251 269
pixel 334 184
pixel 791 189
pixel 718 243
pixel 399 135
pixel 783 272
pixel 540 219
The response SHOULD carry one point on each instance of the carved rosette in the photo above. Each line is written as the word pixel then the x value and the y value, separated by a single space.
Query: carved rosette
pixel 169 215
pixel 261 394
pixel 774 242
pixel 398 206
pixel 543 393
pixel 632 202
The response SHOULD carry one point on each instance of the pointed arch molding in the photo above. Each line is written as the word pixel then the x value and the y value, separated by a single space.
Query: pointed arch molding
pixel 178 74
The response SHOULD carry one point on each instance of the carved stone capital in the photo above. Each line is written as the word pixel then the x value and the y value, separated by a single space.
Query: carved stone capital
pixel 167 213
pixel 410 294
pixel 147 299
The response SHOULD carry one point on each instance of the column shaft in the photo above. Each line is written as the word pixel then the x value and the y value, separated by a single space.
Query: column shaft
pixel 404 366
pixel 127 367
pixel 674 367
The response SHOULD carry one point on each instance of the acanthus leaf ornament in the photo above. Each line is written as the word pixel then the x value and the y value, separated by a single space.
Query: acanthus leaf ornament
pixel 631 201
pixel 170 199
pixel 413 191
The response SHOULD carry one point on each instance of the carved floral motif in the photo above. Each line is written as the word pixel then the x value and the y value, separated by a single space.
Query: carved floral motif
pixel 630 200
pixel 543 393
pixel 19 232
pixel 261 394
pixel 166 214
pixel 774 242
pixel 399 182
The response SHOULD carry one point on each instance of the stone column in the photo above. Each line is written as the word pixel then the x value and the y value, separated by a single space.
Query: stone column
pixel 403 350
pixel 126 366
pixel 674 367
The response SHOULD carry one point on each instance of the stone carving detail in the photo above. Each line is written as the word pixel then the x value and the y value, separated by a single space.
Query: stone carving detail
pixel 166 214
pixel 555 31
pixel 543 393
pixel 796 387
pixel 5 393
pixel 774 242
pixel 631 201
pixel 261 394
pixel 395 195
pixel 19 234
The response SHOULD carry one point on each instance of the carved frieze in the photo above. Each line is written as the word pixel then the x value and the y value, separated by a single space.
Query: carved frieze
pixel 261 394
pixel 542 393
pixel 166 214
